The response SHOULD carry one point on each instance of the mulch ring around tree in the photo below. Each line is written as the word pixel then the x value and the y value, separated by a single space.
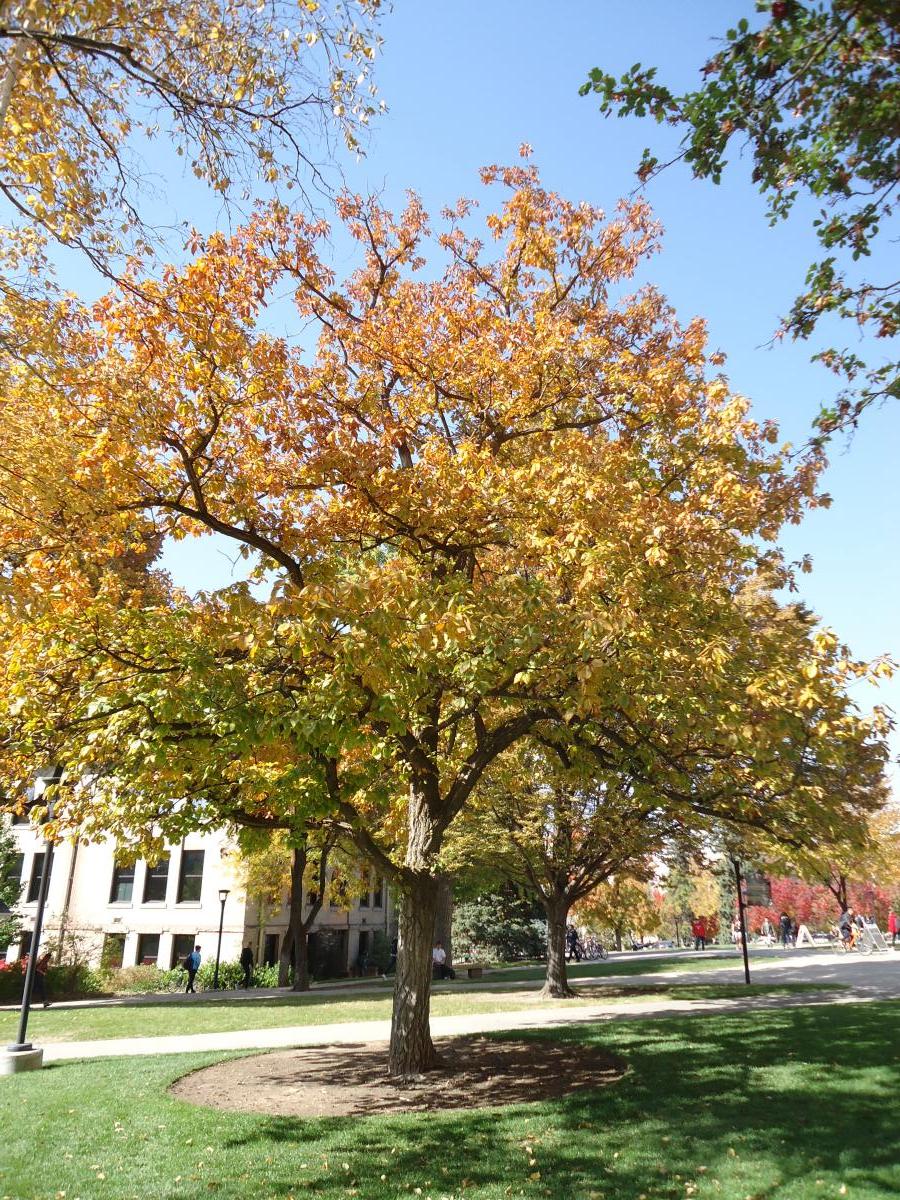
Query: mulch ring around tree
pixel 350 1080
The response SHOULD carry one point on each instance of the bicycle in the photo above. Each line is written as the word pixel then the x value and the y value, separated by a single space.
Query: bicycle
pixel 861 942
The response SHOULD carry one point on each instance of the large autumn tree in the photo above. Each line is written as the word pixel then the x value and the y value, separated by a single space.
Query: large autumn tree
pixel 492 500
pixel 809 89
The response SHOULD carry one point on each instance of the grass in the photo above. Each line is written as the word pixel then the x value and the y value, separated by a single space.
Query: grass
pixel 788 1104
pixel 216 1016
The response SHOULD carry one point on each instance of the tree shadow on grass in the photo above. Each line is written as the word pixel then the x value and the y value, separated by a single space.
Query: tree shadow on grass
pixel 762 1104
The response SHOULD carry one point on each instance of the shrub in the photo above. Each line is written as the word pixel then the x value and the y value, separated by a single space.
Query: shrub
pixel 137 980
pixel 380 956
pixel 498 929
pixel 69 981
pixel 231 974
pixel 265 976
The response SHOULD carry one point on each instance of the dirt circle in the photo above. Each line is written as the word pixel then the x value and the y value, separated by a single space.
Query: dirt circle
pixel 350 1080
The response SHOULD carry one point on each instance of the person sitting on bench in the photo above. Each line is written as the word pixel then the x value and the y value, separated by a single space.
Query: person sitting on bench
pixel 439 963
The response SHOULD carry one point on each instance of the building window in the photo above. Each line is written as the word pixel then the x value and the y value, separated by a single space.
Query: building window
pixel 182 945
pixel 25 943
pixel 113 954
pixel 190 881
pixel 148 949
pixel 364 894
pixel 155 882
pixel 34 883
pixel 270 949
pixel 13 871
pixel 122 884
pixel 378 895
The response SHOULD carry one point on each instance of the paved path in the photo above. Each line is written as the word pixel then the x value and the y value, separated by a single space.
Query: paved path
pixel 844 980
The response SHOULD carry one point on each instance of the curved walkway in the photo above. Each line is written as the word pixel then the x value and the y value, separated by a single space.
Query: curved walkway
pixel 860 980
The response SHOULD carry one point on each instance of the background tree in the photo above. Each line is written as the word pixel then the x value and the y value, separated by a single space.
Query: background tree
pixel 623 905
pixel 281 866
pixel 10 886
pixel 690 889
pixel 492 503
pixel 812 89
pixel 552 825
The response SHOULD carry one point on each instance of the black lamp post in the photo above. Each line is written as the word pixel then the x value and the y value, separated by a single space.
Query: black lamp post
pixel 742 920
pixel 47 779
pixel 223 896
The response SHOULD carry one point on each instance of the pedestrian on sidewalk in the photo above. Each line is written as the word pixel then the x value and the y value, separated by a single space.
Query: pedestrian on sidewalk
pixel 893 927
pixel 247 965
pixel 192 966
pixel 39 987
pixel 698 929
pixel 786 926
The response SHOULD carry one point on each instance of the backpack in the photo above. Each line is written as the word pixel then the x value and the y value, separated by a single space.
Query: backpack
pixel 188 963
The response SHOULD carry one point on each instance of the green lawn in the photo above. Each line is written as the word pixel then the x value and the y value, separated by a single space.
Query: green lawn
pixel 217 1016
pixel 790 1104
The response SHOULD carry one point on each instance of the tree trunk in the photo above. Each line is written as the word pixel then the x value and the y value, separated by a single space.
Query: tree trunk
pixel 284 956
pixel 411 1049
pixel 301 957
pixel 556 984
pixel 443 921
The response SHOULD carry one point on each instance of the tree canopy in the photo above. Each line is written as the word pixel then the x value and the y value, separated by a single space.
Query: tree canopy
pixel 235 87
pixel 502 499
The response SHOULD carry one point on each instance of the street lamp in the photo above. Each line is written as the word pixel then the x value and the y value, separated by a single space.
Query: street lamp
pixel 21 1055
pixel 223 896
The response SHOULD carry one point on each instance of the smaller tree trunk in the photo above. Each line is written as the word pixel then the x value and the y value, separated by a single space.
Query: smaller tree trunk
pixel 443 921
pixel 556 984
pixel 301 956
pixel 284 956
pixel 618 937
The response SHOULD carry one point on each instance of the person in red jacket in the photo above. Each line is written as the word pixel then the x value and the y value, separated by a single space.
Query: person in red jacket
pixel 698 929
pixel 893 926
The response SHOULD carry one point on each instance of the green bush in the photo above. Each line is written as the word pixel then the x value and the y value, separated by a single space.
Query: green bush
pixel 380 956
pixel 498 929
pixel 231 975
pixel 138 980
pixel 65 982
pixel 265 976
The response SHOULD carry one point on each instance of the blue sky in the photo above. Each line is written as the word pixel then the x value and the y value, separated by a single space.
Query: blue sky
pixel 467 82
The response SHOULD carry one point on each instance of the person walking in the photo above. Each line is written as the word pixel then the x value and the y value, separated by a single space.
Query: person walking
pixel 845 928
pixel 893 927
pixel 572 948
pixel 785 925
pixel 247 965
pixel 39 986
pixel 698 929
pixel 192 966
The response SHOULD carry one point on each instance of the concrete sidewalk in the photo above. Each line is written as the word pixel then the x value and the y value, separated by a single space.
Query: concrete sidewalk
pixel 358 1032
pixel 843 978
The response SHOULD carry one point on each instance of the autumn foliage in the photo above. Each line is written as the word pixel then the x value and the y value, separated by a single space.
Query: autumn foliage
pixel 493 502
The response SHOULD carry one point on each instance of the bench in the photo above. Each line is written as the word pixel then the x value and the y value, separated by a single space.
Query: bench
pixel 473 970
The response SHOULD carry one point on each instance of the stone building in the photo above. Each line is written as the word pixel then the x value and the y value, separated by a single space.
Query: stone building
pixel 124 914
